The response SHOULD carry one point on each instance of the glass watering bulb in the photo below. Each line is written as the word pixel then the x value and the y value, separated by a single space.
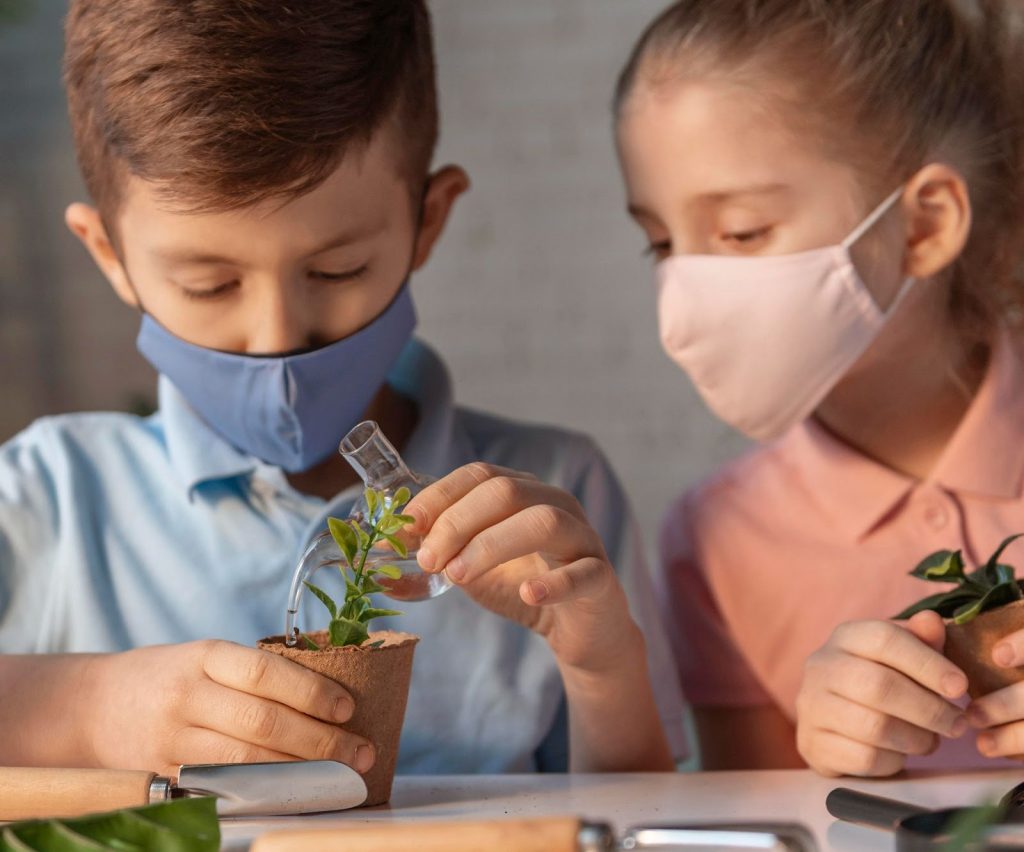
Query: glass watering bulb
pixel 381 468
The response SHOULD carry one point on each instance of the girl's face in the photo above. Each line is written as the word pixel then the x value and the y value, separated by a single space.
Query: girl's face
pixel 712 168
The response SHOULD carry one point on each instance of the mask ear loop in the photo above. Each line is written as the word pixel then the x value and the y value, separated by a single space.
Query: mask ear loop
pixel 872 219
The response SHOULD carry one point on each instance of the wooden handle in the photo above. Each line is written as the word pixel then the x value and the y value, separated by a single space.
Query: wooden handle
pixel 42 793
pixel 559 834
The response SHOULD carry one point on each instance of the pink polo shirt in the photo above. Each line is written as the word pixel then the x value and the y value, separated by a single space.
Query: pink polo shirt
pixel 763 560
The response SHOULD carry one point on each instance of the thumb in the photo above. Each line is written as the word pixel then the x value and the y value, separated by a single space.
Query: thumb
pixel 929 627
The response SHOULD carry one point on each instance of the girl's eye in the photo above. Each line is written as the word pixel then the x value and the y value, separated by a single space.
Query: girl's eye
pixel 747 239
pixel 212 292
pixel 350 275
pixel 659 251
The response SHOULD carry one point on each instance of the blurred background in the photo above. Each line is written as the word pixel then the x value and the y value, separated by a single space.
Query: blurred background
pixel 538 296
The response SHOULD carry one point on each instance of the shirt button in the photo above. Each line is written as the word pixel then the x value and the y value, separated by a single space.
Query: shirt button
pixel 936 517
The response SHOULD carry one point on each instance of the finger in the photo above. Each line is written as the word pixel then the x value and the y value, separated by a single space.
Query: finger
pixel 899 649
pixel 274 726
pixel 427 506
pixel 270 676
pixel 487 505
pixel 871 727
pixel 192 745
pixel 929 627
pixel 538 529
pixel 1009 651
pixel 998 708
pixel 893 693
pixel 833 754
pixel 1003 741
pixel 584 578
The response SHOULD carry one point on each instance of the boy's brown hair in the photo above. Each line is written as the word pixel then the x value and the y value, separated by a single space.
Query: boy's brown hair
pixel 224 103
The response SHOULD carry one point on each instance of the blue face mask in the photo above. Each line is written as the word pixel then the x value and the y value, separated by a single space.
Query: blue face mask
pixel 288 410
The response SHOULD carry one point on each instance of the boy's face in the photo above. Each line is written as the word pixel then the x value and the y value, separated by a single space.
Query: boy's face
pixel 273 277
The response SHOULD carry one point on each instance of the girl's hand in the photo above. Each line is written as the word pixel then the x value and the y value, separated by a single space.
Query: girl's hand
pixel 526 551
pixel 215 702
pixel 1000 715
pixel 875 693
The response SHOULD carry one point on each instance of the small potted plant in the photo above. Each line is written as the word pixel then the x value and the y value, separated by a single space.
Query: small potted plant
pixel 983 607
pixel 375 667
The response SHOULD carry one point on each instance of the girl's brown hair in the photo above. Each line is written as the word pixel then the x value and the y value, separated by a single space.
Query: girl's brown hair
pixel 888 85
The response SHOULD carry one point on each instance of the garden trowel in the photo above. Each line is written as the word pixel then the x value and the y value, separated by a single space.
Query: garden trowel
pixel 242 789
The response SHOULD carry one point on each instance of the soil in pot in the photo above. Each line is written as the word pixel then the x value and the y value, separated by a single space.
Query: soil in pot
pixel 378 680
pixel 970 646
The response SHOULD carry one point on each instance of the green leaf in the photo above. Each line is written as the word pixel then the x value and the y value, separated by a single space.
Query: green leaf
pixel 371 613
pixel 372 501
pixel 995 597
pixel 405 519
pixel 393 572
pixel 345 538
pixel 945 566
pixel 310 644
pixel 944 603
pixel 967 829
pixel 397 544
pixel 325 598
pixel 401 497
pixel 376 644
pixel 347 631
pixel 371 586
pixel 362 535
pixel 352 591
pixel 181 825
pixel 391 526
pixel 993 560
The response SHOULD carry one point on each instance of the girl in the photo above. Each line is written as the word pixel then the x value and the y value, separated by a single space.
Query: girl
pixel 835 192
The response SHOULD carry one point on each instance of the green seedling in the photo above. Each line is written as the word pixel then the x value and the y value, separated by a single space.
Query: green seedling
pixel 989 587
pixel 349 622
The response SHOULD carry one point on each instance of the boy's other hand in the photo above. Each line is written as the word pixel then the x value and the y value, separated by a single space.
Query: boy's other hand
pixel 213 701
pixel 1000 715
pixel 525 550
pixel 876 692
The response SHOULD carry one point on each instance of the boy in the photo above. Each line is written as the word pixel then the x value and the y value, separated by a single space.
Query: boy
pixel 260 175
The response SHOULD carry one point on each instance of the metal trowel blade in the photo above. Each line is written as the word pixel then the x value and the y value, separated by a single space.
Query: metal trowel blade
pixel 275 789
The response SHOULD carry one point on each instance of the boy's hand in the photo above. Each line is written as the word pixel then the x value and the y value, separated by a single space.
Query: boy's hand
pixel 214 702
pixel 875 693
pixel 1000 714
pixel 525 550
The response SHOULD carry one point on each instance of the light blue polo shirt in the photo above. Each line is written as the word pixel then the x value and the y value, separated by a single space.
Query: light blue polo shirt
pixel 118 531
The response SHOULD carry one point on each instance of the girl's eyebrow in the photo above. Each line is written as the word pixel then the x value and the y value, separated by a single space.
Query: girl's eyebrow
pixel 716 196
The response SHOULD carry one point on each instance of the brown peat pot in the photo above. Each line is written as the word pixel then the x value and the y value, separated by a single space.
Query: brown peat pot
pixel 970 646
pixel 378 680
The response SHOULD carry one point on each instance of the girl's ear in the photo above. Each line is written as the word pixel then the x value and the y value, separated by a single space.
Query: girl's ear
pixel 443 188
pixel 85 223
pixel 937 207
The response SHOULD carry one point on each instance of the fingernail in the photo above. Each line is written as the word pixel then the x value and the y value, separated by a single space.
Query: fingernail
pixel 364 758
pixel 456 569
pixel 425 556
pixel 986 743
pixel 344 707
pixel 959 727
pixel 538 590
pixel 954 685
pixel 1003 654
pixel 977 716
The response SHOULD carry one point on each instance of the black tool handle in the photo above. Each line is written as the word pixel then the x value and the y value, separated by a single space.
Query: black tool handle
pixel 865 809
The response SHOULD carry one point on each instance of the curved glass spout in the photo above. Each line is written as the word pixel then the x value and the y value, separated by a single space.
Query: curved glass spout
pixel 381 468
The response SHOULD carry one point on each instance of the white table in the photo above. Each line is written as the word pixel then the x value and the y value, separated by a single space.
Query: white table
pixel 626 800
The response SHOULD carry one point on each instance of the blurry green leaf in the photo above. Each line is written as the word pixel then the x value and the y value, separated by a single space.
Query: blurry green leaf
pixel 371 613
pixel 352 591
pixel 375 644
pixel 402 496
pixel 391 526
pixel 995 597
pixel 966 829
pixel 397 544
pixel 406 519
pixel 945 566
pixel 944 603
pixel 362 535
pixel 993 560
pixel 371 586
pixel 345 538
pixel 310 644
pixel 391 571
pixel 346 631
pixel 325 598
pixel 372 501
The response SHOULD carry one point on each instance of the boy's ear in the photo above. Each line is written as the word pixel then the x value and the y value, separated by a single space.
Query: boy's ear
pixel 85 223
pixel 937 207
pixel 443 188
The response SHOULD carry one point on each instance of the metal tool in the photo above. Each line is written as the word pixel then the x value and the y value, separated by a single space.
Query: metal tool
pixel 919 828
pixel 242 789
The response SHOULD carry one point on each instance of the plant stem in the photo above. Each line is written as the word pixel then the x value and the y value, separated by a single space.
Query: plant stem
pixel 365 555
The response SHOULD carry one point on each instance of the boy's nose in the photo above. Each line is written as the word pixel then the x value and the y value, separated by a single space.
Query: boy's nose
pixel 278 327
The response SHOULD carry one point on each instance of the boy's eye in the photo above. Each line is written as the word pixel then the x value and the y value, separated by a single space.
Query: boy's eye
pixel 212 292
pixel 350 275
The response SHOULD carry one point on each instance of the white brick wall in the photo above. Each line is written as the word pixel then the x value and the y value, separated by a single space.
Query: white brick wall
pixel 537 296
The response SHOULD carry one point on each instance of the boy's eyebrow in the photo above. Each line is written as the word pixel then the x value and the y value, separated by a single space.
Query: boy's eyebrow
pixel 718 195
pixel 187 256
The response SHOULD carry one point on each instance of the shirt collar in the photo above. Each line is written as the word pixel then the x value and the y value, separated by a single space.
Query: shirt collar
pixel 437 445
pixel 984 457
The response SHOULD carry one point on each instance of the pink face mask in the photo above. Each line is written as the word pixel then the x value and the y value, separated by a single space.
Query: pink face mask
pixel 764 339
